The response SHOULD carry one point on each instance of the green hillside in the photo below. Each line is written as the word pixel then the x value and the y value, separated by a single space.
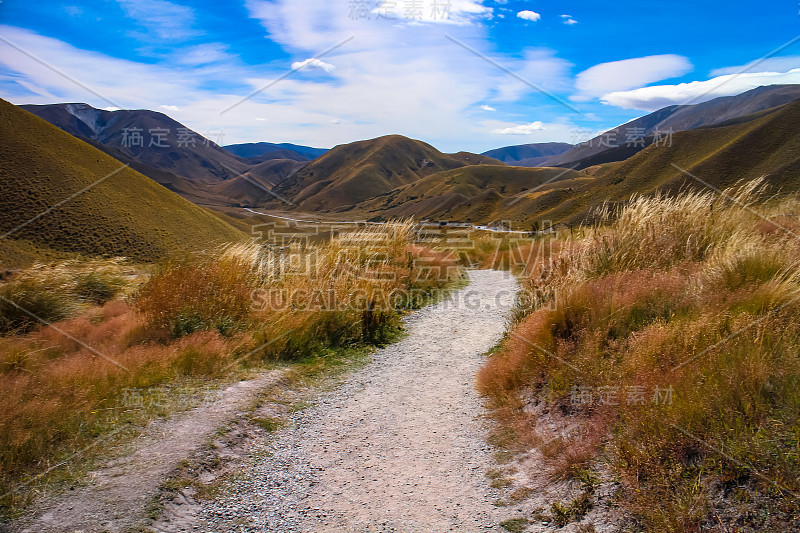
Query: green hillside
pixel 119 213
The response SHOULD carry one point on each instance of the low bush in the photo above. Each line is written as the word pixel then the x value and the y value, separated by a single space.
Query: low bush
pixel 27 304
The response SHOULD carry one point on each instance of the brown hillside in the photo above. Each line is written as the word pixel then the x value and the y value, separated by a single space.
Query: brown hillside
pixel 62 194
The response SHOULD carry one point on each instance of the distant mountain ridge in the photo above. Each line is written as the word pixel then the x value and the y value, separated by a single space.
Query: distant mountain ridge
pixel 149 137
pixel 528 155
pixel 761 145
pixel 172 154
pixel 673 119
pixel 262 151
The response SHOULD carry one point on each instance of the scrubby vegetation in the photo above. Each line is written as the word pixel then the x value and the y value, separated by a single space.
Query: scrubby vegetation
pixel 126 342
pixel 667 336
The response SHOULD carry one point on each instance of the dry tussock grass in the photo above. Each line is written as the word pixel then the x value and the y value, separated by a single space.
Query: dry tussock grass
pixel 194 318
pixel 699 293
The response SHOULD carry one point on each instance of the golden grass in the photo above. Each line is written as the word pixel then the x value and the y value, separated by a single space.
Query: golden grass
pixel 206 316
pixel 692 294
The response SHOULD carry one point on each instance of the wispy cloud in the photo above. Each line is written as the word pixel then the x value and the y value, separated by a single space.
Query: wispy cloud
pixel 165 20
pixel 488 108
pixel 201 54
pixel 568 20
pixel 772 64
pixel 627 74
pixel 521 129
pixel 658 96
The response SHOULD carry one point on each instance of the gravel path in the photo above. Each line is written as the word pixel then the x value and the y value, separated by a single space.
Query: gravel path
pixel 400 446
pixel 118 493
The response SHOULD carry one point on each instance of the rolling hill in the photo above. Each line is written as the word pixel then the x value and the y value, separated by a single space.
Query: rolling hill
pixel 675 118
pixel 764 144
pixel 351 173
pixel 62 195
pixel 476 194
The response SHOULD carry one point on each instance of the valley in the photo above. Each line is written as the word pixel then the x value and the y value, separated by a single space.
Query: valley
pixel 381 336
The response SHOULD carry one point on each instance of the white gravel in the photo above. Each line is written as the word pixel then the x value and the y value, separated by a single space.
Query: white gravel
pixel 400 446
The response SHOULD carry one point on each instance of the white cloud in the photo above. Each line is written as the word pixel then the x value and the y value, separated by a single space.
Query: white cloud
pixel 772 64
pixel 658 96
pixel 533 16
pixel 520 129
pixel 169 107
pixel 626 74
pixel 570 21
pixel 166 20
pixel 488 108
pixel 387 79
pixel 313 63
pixel 459 12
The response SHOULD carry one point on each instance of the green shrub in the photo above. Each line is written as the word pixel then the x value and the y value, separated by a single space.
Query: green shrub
pixel 25 304
pixel 98 287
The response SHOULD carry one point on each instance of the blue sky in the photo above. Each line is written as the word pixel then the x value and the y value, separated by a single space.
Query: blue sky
pixel 461 75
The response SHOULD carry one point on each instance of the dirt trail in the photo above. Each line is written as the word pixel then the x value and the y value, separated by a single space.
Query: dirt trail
pixel 400 446
pixel 118 493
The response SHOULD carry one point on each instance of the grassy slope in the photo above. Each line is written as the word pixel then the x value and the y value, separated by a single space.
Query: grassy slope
pixel 127 214
pixel 766 145
pixel 479 193
pixel 358 171
pixel 683 293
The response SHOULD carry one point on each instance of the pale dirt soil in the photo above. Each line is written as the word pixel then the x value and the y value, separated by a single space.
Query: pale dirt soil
pixel 115 497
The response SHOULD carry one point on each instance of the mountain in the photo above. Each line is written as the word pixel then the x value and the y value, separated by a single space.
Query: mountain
pixel 148 137
pixel 675 118
pixel 528 155
pixel 476 194
pixel 351 173
pixel 60 194
pixel 262 151
pixel 764 144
